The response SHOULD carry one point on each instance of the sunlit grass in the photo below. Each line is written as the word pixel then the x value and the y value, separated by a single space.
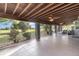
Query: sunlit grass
pixel 8 31
pixel 4 38
pixel 4 31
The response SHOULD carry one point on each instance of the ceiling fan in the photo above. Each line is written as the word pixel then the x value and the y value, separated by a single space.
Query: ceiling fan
pixel 51 19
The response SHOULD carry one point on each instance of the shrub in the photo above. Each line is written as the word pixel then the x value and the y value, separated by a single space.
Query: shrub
pixel 27 35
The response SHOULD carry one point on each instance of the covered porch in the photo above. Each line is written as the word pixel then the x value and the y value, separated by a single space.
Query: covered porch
pixel 56 14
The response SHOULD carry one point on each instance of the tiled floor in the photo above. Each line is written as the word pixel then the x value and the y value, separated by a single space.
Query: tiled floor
pixel 55 45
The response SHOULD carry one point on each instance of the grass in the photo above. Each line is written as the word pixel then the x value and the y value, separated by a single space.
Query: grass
pixel 5 38
pixel 8 31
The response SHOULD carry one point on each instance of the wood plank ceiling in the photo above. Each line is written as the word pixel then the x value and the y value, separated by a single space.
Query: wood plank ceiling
pixel 49 13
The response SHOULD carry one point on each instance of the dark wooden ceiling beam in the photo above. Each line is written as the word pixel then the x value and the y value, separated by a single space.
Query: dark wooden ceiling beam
pixel 9 16
pixel 43 9
pixel 65 9
pixel 25 9
pixel 70 10
pixel 59 8
pixel 33 9
pixel 17 6
pixel 64 12
pixel 47 10
pixel 5 8
pixel 60 13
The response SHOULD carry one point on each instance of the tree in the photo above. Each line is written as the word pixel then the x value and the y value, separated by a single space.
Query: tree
pixel 47 27
pixel 24 27
pixel 14 32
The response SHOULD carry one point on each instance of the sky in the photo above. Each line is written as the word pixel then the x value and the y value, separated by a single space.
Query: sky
pixel 6 24
pixel 32 24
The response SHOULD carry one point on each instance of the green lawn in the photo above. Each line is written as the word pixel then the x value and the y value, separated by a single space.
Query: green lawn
pixel 4 38
pixel 8 31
